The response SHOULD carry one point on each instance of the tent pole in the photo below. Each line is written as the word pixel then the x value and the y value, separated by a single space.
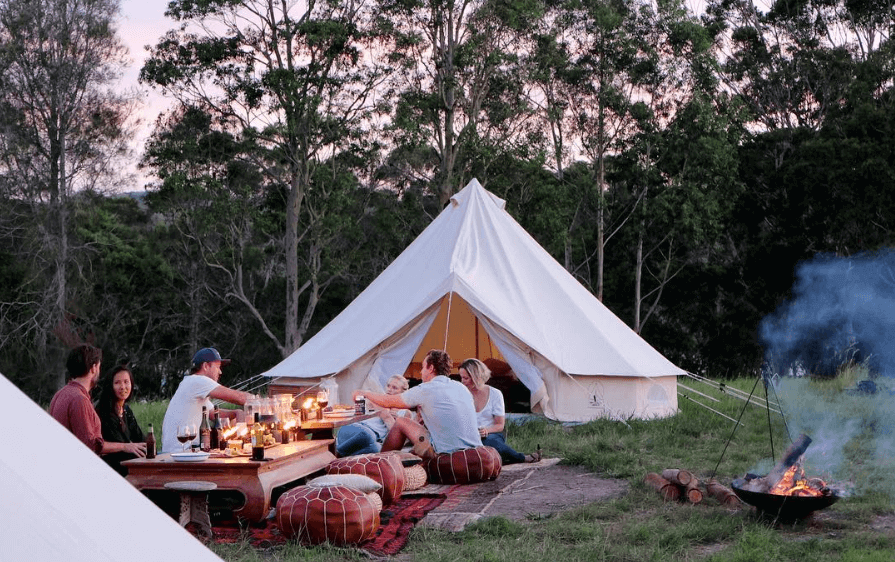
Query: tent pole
pixel 476 320
pixel 447 322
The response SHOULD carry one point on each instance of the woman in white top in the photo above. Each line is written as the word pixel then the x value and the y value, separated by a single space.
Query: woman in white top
pixel 490 411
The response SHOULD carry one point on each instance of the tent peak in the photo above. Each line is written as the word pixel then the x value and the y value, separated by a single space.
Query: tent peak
pixel 475 187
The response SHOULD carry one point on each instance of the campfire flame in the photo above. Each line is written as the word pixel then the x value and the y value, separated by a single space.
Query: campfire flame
pixel 794 483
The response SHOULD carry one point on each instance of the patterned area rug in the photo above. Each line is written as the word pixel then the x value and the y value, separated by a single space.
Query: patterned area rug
pixel 396 522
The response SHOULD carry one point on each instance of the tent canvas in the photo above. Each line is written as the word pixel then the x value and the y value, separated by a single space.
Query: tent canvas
pixel 62 502
pixel 579 360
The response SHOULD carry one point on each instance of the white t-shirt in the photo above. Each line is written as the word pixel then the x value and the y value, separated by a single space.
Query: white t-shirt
pixel 447 408
pixel 493 408
pixel 186 407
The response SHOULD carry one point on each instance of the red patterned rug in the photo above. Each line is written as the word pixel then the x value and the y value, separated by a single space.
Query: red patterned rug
pixel 396 523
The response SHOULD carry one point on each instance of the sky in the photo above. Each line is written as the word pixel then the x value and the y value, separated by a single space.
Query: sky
pixel 142 23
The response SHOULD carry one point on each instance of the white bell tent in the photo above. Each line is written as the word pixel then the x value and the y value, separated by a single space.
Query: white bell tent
pixel 476 284
pixel 62 502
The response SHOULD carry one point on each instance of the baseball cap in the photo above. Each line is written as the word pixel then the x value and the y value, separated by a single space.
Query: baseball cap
pixel 207 355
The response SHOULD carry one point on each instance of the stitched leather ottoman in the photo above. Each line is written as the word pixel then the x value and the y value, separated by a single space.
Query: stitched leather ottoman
pixel 334 514
pixel 381 467
pixel 465 466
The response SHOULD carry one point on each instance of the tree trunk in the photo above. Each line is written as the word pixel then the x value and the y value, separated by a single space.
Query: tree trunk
pixel 294 198
pixel 638 280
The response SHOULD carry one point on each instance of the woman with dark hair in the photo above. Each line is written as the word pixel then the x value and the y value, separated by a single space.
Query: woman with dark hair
pixel 118 422
pixel 490 411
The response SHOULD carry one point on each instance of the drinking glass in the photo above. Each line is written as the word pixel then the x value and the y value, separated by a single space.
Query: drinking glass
pixel 186 433
pixel 322 399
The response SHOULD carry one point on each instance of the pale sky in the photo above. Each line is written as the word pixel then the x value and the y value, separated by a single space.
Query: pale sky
pixel 142 23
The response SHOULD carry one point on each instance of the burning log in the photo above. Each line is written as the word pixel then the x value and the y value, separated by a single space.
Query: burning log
pixel 790 458
pixel 723 494
pixel 677 476
pixel 669 491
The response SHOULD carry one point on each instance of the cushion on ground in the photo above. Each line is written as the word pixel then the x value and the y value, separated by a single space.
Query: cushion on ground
pixel 334 514
pixel 359 482
pixel 414 477
pixel 465 466
pixel 384 468
pixel 376 501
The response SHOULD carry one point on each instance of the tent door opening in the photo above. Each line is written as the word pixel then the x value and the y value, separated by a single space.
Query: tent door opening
pixel 457 330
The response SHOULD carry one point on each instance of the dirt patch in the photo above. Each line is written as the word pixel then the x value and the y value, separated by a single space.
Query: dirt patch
pixel 524 491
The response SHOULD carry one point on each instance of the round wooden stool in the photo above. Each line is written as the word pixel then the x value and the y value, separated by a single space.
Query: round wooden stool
pixel 194 503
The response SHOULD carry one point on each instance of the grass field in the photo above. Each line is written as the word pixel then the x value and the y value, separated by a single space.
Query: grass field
pixel 851 451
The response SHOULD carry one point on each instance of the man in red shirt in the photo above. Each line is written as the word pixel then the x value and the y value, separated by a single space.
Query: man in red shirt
pixel 71 406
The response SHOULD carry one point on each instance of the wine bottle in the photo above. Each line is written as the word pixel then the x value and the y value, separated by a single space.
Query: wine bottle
pixel 205 432
pixel 257 439
pixel 150 443
pixel 217 429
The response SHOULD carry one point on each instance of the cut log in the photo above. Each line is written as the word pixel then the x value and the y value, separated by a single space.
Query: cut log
pixel 723 494
pixel 666 489
pixel 677 476
pixel 694 494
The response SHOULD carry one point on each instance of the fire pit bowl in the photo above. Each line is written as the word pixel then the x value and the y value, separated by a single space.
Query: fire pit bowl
pixel 783 507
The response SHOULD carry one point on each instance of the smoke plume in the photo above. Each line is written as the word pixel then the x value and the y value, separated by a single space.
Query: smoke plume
pixel 842 313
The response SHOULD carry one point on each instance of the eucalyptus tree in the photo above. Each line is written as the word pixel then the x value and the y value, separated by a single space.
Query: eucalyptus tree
pixel 297 82
pixel 792 62
pixel 459 98
pixel 683 155
pixel 585 55
pixel 61 129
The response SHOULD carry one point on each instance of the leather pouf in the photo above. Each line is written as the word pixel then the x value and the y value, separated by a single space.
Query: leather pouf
pixel 465 466
pixel 333 514
pixel 381 467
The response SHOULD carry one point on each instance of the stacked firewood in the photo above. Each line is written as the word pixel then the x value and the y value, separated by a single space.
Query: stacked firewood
pixel 681 485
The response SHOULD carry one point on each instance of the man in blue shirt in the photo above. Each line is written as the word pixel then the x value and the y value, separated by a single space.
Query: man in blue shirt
pixel 445 406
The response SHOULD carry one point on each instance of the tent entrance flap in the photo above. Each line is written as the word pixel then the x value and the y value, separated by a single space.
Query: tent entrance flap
pixel 457 330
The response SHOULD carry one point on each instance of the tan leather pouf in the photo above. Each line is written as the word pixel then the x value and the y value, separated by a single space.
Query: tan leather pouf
pixel 465 466
pixel 333 514
pixel 381 467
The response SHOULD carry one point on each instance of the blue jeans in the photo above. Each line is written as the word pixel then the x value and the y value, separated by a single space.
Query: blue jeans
pixel 356 439
pixel 508 454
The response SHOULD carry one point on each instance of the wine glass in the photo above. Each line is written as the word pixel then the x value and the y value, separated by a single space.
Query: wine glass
pixel 186 433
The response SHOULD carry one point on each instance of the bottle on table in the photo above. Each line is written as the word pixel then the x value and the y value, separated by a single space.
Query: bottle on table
pixel 150 443
pixel 257 439
pixel 217 429
pixel 205 432
pixel 360 405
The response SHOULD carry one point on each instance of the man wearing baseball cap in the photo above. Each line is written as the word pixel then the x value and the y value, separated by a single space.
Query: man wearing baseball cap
pixel 195 391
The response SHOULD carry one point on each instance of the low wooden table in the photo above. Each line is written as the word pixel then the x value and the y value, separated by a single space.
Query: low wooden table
pixel 255 480
pixel 325 428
